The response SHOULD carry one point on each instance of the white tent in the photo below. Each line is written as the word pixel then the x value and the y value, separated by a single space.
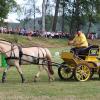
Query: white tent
pixel 11 21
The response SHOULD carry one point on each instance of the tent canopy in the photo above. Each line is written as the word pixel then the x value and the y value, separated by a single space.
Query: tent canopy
pixel 11 21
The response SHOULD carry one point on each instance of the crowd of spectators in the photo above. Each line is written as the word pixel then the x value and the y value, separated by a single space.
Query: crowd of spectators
pixel 37 33
pixel 92 35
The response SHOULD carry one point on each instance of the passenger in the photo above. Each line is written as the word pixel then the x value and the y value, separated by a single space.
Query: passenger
pixel 79 42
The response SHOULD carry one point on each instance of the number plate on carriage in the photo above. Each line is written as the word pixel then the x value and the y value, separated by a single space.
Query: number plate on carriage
pixel 93 52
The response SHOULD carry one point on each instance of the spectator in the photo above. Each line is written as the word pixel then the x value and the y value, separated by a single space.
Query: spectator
pixel 29 34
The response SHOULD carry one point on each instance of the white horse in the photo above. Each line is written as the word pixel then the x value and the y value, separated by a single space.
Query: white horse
pixel 17 56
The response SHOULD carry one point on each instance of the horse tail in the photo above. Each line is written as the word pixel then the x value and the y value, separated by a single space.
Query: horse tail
pixel 49 61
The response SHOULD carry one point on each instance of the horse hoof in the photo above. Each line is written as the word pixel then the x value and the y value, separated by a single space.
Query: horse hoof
pixel 3 81
pixel 51 79
pixel 35 77
pixel 23 81
pixel 35 81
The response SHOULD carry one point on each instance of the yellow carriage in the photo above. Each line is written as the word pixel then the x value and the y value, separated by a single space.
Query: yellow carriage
pixel 81 66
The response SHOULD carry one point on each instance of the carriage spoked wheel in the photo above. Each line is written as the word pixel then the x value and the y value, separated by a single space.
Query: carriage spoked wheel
pixel 65 72
pixel 82 72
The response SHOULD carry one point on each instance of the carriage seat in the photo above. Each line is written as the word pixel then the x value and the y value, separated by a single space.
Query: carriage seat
pixel 92 50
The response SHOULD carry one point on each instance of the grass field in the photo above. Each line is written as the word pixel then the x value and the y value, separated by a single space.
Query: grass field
pixel 13 89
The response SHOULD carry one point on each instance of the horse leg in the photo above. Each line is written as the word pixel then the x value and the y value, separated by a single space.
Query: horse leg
pixel 40 69
pixel 21 74
pixel 49 75
pixel 38 74
pixel 4 75
pixel 20 71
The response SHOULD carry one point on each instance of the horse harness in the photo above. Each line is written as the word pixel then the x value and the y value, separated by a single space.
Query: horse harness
pixel 12 54
pixel 34 61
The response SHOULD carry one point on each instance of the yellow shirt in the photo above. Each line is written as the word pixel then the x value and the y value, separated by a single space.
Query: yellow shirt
pixel 80 41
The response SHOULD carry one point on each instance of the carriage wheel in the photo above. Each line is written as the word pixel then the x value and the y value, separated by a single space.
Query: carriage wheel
pixel 82 72
pixel 65 73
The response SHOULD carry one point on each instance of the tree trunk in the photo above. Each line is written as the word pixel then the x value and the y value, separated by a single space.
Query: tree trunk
pixel 89 28
pixel 55 16
pixel 43 16
pixel 75 18
pixel 72 20
pixel 63 15
pixel 98 6
pixel 34 14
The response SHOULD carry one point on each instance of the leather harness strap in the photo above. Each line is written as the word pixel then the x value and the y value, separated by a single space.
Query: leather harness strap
pixel 12 54
pixel 20 54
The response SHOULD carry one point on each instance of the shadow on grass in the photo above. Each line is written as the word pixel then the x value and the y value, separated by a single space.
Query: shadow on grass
pixel 95 79
pixel 73 80
pixel 69 80
pixel 57 79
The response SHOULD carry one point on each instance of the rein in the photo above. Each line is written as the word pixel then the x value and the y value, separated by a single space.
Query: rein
pixel 10 50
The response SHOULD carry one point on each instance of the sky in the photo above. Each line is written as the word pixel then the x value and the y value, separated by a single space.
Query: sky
pixel 14 16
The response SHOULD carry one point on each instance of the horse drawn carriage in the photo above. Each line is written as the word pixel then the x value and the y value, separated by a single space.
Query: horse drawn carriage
pixel 81 66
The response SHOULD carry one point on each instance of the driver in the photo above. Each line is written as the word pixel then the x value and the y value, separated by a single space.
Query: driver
pixel 79 42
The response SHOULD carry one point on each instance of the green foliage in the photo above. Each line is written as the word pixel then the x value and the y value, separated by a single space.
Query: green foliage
pixel 80 12
pixel 48 23
pixel 5 7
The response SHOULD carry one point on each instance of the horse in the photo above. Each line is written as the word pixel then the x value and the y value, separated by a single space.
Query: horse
pixel 17 55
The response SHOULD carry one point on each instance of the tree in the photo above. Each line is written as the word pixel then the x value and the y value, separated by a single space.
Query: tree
pixel 43 15
pixel 63 3
pixel 55 16
pixel 5 7
pixel 28 12
pixel 80 12
pixel 48 22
